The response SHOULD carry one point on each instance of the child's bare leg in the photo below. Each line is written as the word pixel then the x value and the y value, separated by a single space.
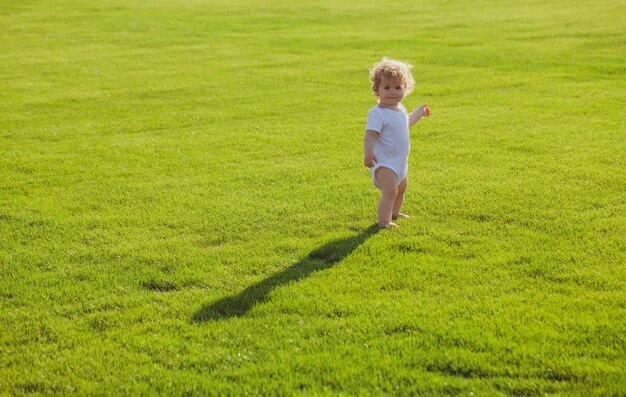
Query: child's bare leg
pixel 397 204
pixel 387 181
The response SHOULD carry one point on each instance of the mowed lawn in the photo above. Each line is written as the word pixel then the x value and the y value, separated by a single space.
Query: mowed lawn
pixel 184 209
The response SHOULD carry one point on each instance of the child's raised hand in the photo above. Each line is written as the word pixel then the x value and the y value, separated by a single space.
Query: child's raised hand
pixel 425 110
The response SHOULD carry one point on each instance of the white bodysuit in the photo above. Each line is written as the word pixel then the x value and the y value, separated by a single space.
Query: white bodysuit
pixel 393 144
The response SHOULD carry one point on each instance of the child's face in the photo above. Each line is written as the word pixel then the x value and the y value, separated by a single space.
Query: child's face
pixel 390 92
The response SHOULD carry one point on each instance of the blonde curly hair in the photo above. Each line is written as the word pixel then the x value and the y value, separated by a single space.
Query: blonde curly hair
pixel 391 69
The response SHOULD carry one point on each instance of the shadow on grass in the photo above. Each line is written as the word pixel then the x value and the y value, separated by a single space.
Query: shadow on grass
pixel 322 258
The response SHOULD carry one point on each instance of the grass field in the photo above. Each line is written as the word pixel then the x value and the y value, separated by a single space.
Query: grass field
pixel 184 209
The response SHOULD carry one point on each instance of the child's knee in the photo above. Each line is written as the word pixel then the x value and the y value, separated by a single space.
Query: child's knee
pixel 390 192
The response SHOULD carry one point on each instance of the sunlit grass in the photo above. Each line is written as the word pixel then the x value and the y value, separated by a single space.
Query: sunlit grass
pixel 184 210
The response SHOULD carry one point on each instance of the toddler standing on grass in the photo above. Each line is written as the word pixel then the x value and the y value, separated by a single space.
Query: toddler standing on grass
pixel 387 142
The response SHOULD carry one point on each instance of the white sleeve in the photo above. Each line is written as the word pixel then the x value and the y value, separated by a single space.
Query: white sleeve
pixel 374 120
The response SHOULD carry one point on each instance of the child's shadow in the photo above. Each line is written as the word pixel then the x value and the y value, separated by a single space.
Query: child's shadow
pixel 322 258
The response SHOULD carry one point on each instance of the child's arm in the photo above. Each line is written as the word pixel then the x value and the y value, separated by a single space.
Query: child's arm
pixel 418 114
pixel 368 148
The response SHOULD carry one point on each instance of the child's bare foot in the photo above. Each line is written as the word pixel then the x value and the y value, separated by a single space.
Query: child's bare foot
pixel 389 225
pixel 400 216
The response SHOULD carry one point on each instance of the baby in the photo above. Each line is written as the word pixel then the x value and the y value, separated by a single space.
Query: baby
pixel 387 142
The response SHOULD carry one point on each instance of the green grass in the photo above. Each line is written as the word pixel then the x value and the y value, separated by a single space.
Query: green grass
pixel 184 210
